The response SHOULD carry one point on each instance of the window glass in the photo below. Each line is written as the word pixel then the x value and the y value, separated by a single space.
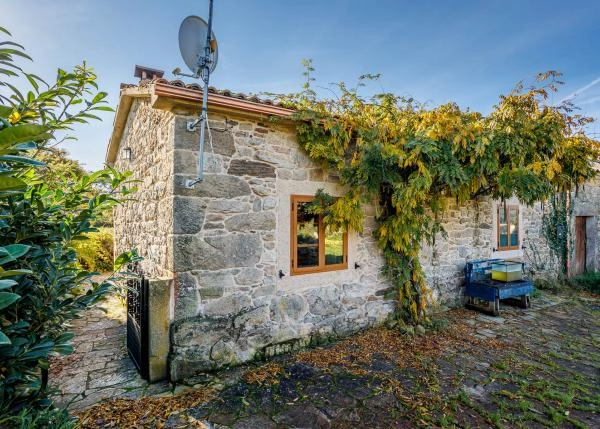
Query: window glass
pixel 508 227
pixel 514 226
pixel 502 228
pixel 307 237
pixel 334 248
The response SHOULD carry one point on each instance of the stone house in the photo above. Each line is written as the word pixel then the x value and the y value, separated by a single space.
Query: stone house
pixel 238 269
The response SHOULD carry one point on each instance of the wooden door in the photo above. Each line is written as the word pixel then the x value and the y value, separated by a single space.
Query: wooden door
pixel 580 244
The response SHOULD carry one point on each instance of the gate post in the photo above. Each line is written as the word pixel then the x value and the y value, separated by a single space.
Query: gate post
pixel 159 314
pixel 148 320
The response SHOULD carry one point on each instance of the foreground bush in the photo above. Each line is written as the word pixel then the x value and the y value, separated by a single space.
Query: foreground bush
pixel 42 288
pixel 28 418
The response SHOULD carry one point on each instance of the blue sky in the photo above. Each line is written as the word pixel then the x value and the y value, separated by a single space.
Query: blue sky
pixel 435 51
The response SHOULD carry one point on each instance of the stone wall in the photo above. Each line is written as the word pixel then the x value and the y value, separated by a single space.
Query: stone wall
pixel 471 234
pixel 145 223
pixel 540 261
pixel 225 241
pixel 470 228
pixel 231 239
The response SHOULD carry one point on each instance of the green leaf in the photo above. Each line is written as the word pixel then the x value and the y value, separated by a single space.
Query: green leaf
pixel 15 52
pixel 22 160
pixel 33 81
pixel 40 350
pixel 13 251
pixel 126 258
pixel 10 184
pixel 5 284
pixel 5 111
pixel 8 73
pixel 63 349
pixel 16 93
pixel 23 133
pixel 4 340
pixel 99 97
pixel 11 273
pixel 65 337
pixel 26 146
pixel 8 298
pixel 104 108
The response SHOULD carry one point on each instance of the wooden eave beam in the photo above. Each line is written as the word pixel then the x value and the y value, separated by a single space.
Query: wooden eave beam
pixel 167 96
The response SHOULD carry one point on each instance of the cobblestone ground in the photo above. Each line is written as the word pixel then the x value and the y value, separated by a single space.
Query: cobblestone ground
pixel 100 367
pixel 528 368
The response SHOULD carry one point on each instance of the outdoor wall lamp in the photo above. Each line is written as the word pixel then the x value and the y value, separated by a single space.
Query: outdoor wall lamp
pixel 281 274
pixel 127 154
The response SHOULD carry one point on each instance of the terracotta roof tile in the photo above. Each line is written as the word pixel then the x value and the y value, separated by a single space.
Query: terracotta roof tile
pixel 197 87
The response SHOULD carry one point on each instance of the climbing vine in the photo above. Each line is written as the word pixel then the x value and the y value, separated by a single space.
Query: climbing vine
pixel 408 159
pixel 556 229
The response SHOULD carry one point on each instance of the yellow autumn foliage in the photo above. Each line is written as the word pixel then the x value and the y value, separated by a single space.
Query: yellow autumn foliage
pixel 407 158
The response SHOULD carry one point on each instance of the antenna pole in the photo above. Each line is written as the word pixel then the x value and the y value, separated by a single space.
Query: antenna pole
pixel 204 73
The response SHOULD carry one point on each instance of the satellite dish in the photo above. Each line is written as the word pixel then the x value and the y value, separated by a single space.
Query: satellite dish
pixel 199 52
pixel 192 44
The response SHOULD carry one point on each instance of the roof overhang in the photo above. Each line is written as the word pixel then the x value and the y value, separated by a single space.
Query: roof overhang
pixel 169 97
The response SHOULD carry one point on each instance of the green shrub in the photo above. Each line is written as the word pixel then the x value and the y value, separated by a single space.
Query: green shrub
pixel 589 282
pixel 42 288
pixel 436 323
pixel 95 250
pixel 45 418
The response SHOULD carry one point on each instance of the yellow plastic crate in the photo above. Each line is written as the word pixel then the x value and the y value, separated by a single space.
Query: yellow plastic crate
pixel 507 271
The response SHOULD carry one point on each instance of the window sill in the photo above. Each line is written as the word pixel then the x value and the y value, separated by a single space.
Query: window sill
pixel 507 254
pixel 299 283
pixel 311 270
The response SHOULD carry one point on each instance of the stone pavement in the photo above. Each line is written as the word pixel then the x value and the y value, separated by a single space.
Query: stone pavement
pixel 99 368
pixel 528 368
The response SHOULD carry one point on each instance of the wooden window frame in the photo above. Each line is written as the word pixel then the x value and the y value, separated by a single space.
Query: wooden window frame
pixel 294 270
pixel 507 208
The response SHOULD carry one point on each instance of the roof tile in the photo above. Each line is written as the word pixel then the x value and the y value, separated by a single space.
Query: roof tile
pixel 197 87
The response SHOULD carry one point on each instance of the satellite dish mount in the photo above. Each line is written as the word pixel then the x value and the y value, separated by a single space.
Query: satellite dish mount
pixel 198 47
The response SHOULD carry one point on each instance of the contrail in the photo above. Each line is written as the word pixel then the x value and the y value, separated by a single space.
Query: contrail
pixel 590 100
pixel 580 90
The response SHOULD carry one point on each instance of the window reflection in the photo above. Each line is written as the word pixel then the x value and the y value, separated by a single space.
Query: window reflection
pixel 508 227
pixel 334 248
pixel 514 226
pixel 503 228
pixel 307 237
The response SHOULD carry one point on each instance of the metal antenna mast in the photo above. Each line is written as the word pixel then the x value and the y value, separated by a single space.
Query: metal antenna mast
pixel 204 62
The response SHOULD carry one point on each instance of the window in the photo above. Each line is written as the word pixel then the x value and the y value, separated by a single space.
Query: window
pixel 313 248
pixel 508 227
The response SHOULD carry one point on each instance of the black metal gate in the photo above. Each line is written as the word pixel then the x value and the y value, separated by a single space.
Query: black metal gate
pixel 137 320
